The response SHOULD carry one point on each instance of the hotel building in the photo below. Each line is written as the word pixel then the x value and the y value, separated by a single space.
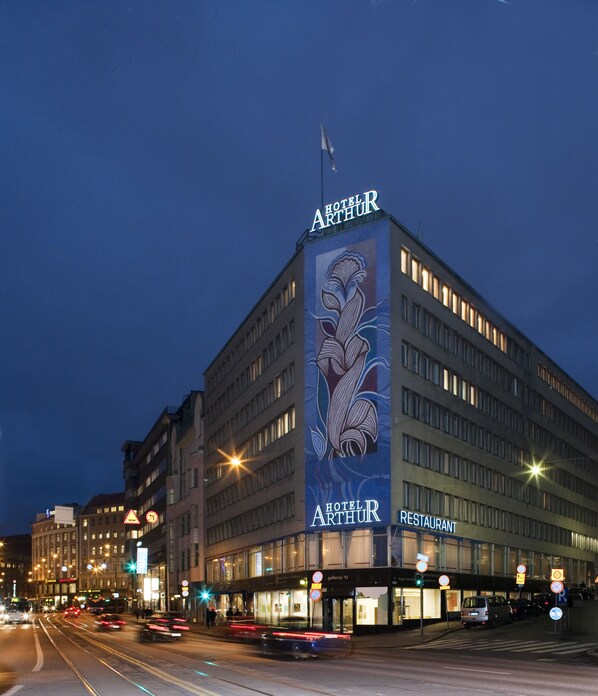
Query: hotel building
pixel 373 411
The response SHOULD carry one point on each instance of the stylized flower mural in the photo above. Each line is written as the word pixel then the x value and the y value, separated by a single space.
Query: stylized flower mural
pixel 351 418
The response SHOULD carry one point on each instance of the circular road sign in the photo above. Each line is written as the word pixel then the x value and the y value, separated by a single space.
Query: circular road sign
pixel 317 577
pixel 555 613
pixel 521 568
pixel 421 566
pixel 556 586
pixel 444 580
pixel 315 594
pixel 151 516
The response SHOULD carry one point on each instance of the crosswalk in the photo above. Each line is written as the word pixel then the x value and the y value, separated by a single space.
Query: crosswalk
pixel 534 647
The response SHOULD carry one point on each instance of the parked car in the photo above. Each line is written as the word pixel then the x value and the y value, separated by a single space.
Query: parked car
pixel 485 610
pixel 523 608
pixel 545 601
pixel 110 622
pixel 166 625
pixel 72 612
pixel 304 643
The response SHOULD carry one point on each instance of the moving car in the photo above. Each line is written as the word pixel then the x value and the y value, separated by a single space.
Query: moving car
pixel 485 610
pixel 522 608
pixel 165 625
pixel 16 611
pixel 245 631
pixel 72 612
pixel 110 622
pixel 303 643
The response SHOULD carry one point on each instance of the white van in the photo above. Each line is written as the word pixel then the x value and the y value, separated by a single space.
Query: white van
pixel 485 610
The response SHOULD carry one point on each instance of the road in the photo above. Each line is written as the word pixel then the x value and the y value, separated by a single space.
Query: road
pixel 60 657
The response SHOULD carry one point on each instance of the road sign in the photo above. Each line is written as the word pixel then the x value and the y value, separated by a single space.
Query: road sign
pixel 556 586
pixel 520 579
pixel 422 557
pixel 444 580
pixel 131 518
pixel 521 568
pixel 557 574
pixel 421 566
pixel 315 595
pixel 555 613
pixel 151 516
pixel 318 576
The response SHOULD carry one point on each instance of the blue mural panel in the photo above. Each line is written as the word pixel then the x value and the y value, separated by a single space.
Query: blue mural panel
pixel 347 383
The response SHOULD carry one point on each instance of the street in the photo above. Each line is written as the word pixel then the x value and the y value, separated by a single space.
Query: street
pixel 58 657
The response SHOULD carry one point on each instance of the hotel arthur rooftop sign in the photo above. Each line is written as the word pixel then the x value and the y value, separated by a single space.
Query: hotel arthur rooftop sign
pixel 347 209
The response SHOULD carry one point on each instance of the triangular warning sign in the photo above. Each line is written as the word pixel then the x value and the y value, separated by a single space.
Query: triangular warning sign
pixel 131 518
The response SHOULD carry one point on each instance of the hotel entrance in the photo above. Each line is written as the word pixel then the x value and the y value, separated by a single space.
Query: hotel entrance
pixel 333 613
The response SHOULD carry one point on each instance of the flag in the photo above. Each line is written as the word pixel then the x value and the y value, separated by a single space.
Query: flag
pixel 327 145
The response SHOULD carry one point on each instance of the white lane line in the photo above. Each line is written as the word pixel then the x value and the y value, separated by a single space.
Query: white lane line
pixel 482 671
pixel 14 690
pixel 40 655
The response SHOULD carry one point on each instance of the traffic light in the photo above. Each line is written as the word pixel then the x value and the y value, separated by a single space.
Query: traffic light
pixel 419 580
pixel 205 595
pixel 130 567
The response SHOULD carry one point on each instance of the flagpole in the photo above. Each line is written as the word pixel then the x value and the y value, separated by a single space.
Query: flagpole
pixel 321 178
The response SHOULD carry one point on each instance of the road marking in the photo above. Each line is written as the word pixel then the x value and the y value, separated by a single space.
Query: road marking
pixel 483 671
pixel 40 655
pixel 14 690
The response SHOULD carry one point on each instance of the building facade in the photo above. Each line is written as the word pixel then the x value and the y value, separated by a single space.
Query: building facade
pixel 184 511
pixel 16 576
pixel 55 557
pixel 102 574
pixel 373 411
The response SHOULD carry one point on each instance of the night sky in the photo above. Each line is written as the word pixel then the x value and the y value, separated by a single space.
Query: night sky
pixel 160 159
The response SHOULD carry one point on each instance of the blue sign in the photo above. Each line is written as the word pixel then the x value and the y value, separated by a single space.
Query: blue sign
pixel 347 379
pixel 556 613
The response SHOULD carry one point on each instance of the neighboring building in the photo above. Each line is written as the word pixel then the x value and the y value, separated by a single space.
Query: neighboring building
pixel 373 411
pixel 54 556
pixel 15 566
pixel 102 572
pixel 184 512
pixel 145 468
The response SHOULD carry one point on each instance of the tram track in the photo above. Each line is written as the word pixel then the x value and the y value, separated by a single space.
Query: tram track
pixel 166 675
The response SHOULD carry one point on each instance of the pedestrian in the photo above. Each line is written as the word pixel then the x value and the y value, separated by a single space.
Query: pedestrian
pixel 137 613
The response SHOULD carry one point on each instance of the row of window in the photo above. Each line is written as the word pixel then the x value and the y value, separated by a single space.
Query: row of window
pixel 366 547
pixel 460 306
pixel 277 428
pixel 431 370
pixel 110 508
pixel 253 333
pixel 279 385
pixel 441 418
pixel 418 407
pixel 267 515
pixel 430 457
pixel 157 446
pixel 570 425
pixel 566 392
pixel 453 342
pixel 429 501
pixel 275 470
pixel 108 519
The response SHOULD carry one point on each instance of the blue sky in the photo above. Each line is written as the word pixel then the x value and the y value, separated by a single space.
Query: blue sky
pixel 159 160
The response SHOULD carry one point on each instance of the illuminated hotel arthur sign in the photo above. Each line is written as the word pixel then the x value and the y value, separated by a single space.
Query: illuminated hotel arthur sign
pixel 347 209
pixel 436 524
pixel 346 513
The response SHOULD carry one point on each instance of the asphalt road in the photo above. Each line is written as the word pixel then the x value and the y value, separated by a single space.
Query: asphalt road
pixel 58 657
